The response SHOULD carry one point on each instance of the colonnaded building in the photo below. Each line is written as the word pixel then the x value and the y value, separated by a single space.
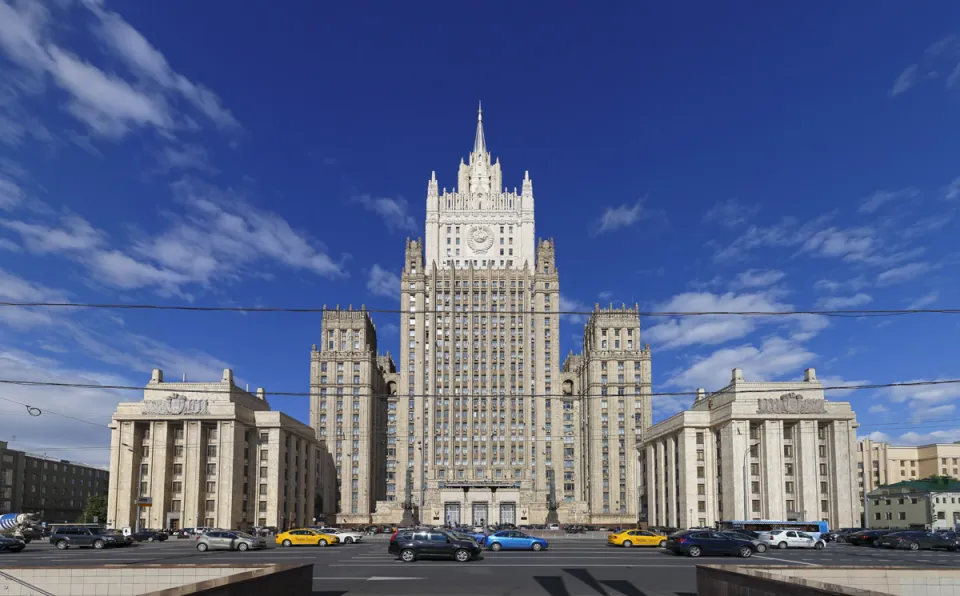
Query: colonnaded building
pixel 480 420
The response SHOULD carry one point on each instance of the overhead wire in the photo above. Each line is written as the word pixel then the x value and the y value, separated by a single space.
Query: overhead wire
pixel 278 309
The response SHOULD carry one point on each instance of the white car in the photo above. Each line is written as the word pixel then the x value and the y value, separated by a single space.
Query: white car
pixel 791 539
pixel 345 536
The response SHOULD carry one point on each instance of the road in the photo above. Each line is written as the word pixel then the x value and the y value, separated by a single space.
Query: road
pixel 572 566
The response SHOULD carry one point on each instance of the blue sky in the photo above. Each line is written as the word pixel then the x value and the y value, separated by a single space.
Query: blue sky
pixel 684 157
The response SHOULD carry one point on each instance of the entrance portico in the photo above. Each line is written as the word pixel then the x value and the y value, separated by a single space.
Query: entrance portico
pixel 478 503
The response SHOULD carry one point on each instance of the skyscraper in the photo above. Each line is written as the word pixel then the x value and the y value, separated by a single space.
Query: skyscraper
pixel 482 423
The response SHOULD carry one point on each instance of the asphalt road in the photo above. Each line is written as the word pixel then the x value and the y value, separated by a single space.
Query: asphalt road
pixel 574 566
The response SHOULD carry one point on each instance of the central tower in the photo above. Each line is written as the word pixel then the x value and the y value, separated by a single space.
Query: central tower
pixel 477 223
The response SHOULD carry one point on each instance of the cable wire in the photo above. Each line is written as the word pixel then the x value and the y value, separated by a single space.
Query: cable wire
pixel 278 309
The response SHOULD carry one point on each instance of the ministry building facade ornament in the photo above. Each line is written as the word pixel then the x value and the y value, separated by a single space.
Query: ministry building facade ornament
pixel 791 403
pixel 176 405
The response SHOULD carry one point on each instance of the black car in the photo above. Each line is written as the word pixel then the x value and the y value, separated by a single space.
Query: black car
pixel 11 545
pixel 149 536
pixel 411 545
pixel 866 537
pixel 916 540
pixel 64 538
pixel 701 542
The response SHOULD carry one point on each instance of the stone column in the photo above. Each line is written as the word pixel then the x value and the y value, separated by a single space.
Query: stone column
pixel 193 474
pixel 661 482
pixel 673 517
pixel 807 458
pixel 772 470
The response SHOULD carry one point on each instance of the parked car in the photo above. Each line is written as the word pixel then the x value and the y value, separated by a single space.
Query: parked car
pixel 696 542
pixel 866 537
pixel 66 537
pixel 229 540
pixel 411 545
pixel 553 527
pixel 574 530
pixel 11 545
pixel 758 545
pixel 631 538
pixel 514 540
pixel 149 536
pixel 306 536
pixel 791 539
pixel 345 536
pixel 916 540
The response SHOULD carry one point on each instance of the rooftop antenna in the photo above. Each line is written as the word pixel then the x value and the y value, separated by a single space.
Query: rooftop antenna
pixel 184 377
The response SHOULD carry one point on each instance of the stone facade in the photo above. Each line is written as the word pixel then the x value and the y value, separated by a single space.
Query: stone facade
pixel 798 452
pixel 917 505
pixel 55 489
pixel 210 454
pixel 348 409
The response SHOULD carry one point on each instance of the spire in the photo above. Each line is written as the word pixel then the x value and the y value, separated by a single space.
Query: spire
pixel 479 144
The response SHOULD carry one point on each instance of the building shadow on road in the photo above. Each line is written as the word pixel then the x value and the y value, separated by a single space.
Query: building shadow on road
pixel 555 585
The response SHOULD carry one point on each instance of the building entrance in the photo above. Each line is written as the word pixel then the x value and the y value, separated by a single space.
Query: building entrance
pixel 480 516
pixel 451 514
pixel 508 513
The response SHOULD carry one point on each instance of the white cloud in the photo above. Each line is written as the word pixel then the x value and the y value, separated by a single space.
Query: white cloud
pixel 146 61
pixel 850 244
pixel 924 301
pixel 775 357
pixel 878 437
pixel 758 278
pixel 730 213
pixel 393 212
pixel 838 382
pixel 829 285
pixel 605 295
pixel 907 79
pixel 710 329
pixel 17 289
pixel 923 413
pixel 10 193
pixel 952 191
pixel 621 216
pixel 381 282
pixel 21 29
pixel 184 157
pixel 878 409
pixel 844 302
pixel 939 59
pixel 220 237
pixel 568 304
pixel 937 436
pixel 882 197
pixel 107 104
pixel 903 273
pixel 786 233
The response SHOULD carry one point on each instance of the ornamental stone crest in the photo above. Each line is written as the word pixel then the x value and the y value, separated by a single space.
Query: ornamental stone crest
pixel 480 239
pixel 791 403
pixel 176 405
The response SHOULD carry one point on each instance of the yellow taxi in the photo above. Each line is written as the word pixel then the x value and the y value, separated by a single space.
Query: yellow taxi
pixel 629 538
pixel 304 536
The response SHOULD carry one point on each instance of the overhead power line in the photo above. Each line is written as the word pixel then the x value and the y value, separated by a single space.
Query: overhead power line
pixel 800 386
pixel 855 313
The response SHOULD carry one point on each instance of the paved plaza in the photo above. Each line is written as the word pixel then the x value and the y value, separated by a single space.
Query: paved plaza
pixel 572 566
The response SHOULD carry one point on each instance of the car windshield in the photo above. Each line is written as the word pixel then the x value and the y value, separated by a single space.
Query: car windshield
pixel 243 535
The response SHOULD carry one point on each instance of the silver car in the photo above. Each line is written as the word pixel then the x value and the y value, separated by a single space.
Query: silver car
pixel 229 540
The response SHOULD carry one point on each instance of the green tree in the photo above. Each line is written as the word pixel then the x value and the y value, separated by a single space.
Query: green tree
pixel 96 508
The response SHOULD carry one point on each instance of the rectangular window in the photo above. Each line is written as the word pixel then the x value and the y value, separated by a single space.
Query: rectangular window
pixel 211 487
pixel 210 505
pixel 791 506
pixel 788 450
pixel 211 469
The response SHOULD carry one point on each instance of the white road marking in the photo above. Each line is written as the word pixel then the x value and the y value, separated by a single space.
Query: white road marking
pixel 786 560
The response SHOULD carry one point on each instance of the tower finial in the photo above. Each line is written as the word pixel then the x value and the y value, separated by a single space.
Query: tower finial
pixel 479 144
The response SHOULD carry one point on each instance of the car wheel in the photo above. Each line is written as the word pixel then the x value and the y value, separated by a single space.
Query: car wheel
pixel 407 555
pixel 242 547
pixel 627 544
pixel 745 552
pixel 348 540
pixel 322 542
pixel 150 539
pixel 98 544
pixel 694 551
pixel 537 546
pixel 287 543
pixel 782 545
pixel 818 546
pixel 761 548
pixel 914 546
pixel 495 546
pixel 62 545
pixel 461 555
pixel 202 547
pixel 663 543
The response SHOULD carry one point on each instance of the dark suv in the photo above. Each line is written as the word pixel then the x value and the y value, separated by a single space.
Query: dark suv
pixel 411 545
pixel 64 538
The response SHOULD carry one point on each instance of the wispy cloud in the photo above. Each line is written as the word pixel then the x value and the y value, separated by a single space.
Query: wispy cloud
pixel 621 216
pixel 841 302
pixel 11 194
pixel 878 409
pixel 730 213
pixel 903 273
pixel 394 212
pixel 774 357
pixel 381 282
pixel 939 62
pixel 758 278
pixel 882 197
pixel 568 304
pixel 924 301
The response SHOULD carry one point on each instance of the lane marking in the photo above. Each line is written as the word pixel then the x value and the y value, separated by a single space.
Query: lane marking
pixel 786 560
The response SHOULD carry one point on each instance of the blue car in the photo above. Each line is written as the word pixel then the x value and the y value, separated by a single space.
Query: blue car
pixel 514 540
pixel 694 543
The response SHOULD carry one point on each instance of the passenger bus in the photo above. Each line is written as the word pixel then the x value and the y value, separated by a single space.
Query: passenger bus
pixel 765 525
